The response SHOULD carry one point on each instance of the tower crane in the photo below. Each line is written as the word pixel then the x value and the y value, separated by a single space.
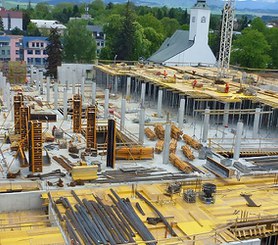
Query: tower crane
pixel 226 37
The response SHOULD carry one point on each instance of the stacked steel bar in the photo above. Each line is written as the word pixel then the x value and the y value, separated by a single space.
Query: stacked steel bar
pixel 94 222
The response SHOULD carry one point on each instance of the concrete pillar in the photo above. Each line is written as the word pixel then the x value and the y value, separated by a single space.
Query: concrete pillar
pixel 4 90
pixel 123 109
pixel 256 122
pixel 48 89
pixel 12 107
pixel 107 80
pixel 94 92
pixel 206 125
pixel 159 103
pixel 128 86
pixel 116 84
pixel 65 111
pixel 167 139
pixel 32 74
pixel 239 130
pixel 8 96
pixel 106 103
pixel 73 82
pixel 37 84
pixel 226 114
pixel 141 125
pixel 143 93
pixel 181 113
pixel 83 89
pixel 55 95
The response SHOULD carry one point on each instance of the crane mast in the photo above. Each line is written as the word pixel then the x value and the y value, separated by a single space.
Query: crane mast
pixel 226 37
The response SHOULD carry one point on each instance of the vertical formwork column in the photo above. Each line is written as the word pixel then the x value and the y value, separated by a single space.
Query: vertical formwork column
pixel 65 110
pixel 83 89
pixel 106 103
pixel 91 133
pixel 143 93
pixel 239 130
pixel 18 102
pixel 141 125
pixel 256 122
pixel 48 89
pixel 111 144
pixel 167 139
pixel 76 113
pixel 181 113
pixel 35 146
pixel 128 87
pixel 159 103
pixel 206 125
pixel 123 109
pixel 24 118
pixel 226 114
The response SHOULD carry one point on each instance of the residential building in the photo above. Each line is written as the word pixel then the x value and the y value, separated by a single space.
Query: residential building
pixel 45 26
pixel 35 50
pixel 99 35
pixel 5 49
pixel 11 48
pixel 11 19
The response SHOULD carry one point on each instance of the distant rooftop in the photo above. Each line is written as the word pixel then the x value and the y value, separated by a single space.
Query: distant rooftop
pixel 32 39
pixel 172 46
pixel 48 24
pixel 9 13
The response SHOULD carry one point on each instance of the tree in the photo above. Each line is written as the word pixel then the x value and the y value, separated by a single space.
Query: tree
pixel 170 26
pixel 54 52
pixel 250 50
pixel 258 24
pixel 16 31
pixel 126 41
pixel 1 24
pixel 32 30
pixel 149 20
pixel 272 37
pixel 79 45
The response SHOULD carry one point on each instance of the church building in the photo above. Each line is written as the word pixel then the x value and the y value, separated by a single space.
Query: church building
pixel 188 48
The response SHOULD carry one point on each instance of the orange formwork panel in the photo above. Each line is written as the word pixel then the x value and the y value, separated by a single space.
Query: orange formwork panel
pixel 18 102
pixel 91 132
pixel 24 118
pixel 76 113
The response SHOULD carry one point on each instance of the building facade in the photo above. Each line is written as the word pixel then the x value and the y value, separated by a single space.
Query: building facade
pixel 98 35
pixel 45 26
pixel 34 50
pixel 11 19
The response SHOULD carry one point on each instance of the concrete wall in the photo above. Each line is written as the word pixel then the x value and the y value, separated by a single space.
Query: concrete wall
pixel 20 201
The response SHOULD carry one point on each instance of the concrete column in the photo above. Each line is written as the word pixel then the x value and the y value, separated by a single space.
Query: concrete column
pixel 226 114
pixel 167 139
pixel 48 89
pixel 4 90
pixel 123 109
pixel 128 86
pixel 159 103
pixel 65 111
pixel 83 89
pixel 116 84
pixel 239 130
pixel 141 125
pixel 73 82
pixel 8 96
pixel 106 103
pixel 55 95
pixel 256 122
pixel 143 93
pixel 37 85
pixel 12 103
pixel 94 92
pixel 181 113
pixel 32 74
pixel 206 125
pixel 107 80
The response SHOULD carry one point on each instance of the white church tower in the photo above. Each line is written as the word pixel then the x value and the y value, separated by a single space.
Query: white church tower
pixel 199 22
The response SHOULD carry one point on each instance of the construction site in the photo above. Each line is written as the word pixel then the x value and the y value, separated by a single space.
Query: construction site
pixel 142 152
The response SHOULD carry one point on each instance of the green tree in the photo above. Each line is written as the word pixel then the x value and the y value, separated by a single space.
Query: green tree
pixel 1 24
pixel 42 11
pixel 79 45
pixel 32 30
pixel 16 31
pixel 250 50
pixel 258 24
pixel 149 20
pixel 272 37
pixel 170 26
pixel 126 39
pixel 26 17
pixel 154 39
pixel 54 52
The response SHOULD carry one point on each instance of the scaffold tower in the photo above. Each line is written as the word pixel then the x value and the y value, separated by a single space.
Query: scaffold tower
pixel 226 37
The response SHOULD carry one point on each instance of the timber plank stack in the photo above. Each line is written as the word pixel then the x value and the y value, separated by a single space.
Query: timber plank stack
pixel 176 133
pixel 178 163
pixel 150 134
pixel 192 142
pixel 159 146
pixel 159 131
pixel 187 152
pixel 135 153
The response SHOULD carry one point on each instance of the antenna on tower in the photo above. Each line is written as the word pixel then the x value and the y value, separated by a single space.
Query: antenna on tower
pixel 226 37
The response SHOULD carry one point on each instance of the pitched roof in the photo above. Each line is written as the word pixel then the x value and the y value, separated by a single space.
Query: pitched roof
pixel 94 28
pixel 5 38
pixel 172 46
pixel 48 24
pixel 25 40
pixel 13 14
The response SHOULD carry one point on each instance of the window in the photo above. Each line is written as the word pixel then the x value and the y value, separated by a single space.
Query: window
pixel 102 44
pixel 193 19
pixel 44 52
pixel 37 45
pixel 37 52
pixel 17 52
pixel 41 45
pixel 38 61
pixel 17 44
pixel 8 52
pixel 3 52
pixel 33 44
pixel 29 51
pixel 98 44
pixel 203 19
pixel 30 60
